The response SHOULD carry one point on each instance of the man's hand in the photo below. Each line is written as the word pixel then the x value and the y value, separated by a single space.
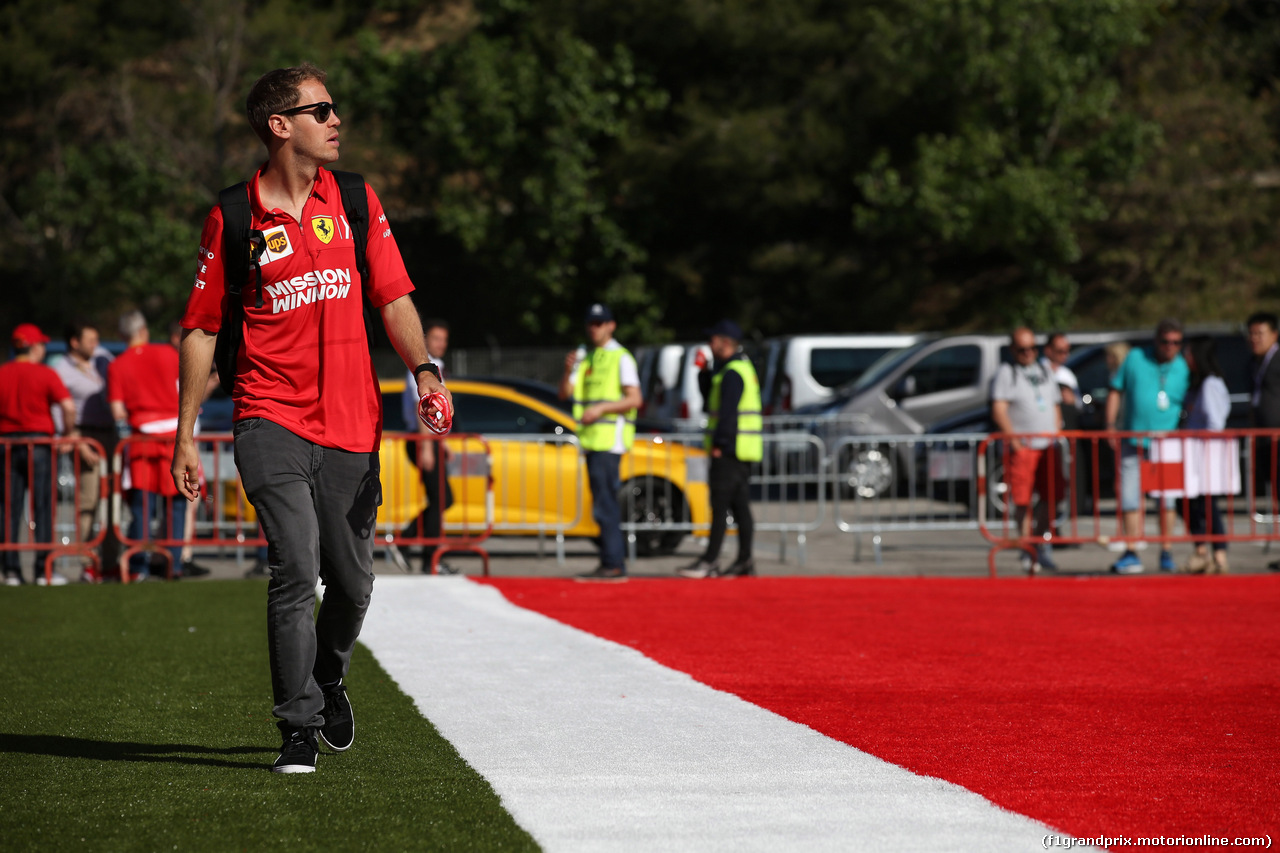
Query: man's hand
pixel 591 414
pixel 186 468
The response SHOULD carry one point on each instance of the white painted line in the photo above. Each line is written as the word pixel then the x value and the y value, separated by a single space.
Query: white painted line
pixel 593 746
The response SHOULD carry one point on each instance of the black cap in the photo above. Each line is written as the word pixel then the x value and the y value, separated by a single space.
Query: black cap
pixel 728 328
pixel 599 314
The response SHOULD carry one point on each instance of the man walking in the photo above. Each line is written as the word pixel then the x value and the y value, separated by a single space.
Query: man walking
pixel 429 454
pixel 1151 384
pixel 604 385
pixel 308 415
pixel 1026 398
pixel 734 440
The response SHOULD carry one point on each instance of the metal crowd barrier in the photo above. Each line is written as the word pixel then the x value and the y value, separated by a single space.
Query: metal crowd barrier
pixel 1223 465
pixel 904 483
pixel 470 519
pixel 45 481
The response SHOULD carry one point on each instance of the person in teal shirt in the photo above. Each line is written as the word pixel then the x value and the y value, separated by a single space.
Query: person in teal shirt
pixel 1152 384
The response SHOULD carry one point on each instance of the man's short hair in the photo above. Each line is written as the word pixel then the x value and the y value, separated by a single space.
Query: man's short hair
pixel 132 322
pixel 74 330
pixel 1264 317
pixel 434 323
pixel 276 91
pixel 1167 325
pixel 1055 335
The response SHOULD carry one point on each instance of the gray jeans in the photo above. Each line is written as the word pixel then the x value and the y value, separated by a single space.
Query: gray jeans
pixel 318 507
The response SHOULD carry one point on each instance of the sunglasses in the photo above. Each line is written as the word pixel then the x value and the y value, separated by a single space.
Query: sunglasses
pixel 1024 349
pixel 322 110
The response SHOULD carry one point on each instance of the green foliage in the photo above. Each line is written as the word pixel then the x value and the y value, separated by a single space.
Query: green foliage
pixel 508 140
pixel 111 227
pixel 800 165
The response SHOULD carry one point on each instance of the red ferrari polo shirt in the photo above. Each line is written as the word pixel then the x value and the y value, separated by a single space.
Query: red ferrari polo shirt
pixel 305 361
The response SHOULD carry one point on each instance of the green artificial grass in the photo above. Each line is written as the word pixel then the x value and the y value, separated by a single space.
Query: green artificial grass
pixel 139 718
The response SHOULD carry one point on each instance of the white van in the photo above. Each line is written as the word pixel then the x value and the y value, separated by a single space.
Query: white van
pixel 659 368
pixel 802 370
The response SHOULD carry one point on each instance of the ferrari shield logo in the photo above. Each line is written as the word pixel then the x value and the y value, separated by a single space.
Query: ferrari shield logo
pixel 323 226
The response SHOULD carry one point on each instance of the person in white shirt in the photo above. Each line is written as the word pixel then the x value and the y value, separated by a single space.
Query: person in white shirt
pixel 1208 409
pixel 1056 349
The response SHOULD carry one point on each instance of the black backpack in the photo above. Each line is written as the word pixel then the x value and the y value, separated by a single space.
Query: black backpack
pixel 242 248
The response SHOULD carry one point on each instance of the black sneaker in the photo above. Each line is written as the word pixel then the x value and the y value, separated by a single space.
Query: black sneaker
pixel 192 569
pixel 600 573
pixel 699 569
pixel 298 752
pixel 339 730
pixel 740 569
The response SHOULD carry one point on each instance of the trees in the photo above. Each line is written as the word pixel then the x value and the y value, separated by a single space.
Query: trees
pixel 798 164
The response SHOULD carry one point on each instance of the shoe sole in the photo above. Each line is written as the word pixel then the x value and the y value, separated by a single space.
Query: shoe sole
pixel 622 579
pixel 294 768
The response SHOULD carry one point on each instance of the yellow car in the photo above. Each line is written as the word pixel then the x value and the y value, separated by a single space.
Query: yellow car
pixel 538 474
pixel 539 479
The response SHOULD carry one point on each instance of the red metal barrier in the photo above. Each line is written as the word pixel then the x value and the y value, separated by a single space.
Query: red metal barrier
pixel 1222 465
pixel 466 471
pixel 29 476
pixel 230 521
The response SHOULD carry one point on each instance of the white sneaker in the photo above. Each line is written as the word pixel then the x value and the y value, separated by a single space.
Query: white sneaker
pixel 57 579
pixel 12 580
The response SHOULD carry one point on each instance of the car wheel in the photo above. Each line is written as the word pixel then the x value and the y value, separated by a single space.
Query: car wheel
pixel 869 473
pixel 651 501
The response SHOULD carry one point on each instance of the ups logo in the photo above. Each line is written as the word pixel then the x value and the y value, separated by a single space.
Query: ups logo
pixel 277 241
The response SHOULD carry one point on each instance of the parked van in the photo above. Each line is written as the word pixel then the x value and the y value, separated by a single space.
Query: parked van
pixel 803 370
pixel 659 368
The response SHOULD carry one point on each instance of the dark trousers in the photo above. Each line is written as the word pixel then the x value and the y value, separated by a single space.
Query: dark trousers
pixel 730 482
pixel 143 506
pixel 439 498
pixel 28 467
pixel 318 507
pixel 1199 510
pixel 602 475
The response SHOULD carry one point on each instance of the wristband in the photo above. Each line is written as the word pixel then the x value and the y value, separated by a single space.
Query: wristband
pixel 429 367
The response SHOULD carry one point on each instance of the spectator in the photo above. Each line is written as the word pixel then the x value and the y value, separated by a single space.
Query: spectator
pixel 308 415
pixel 1150 388
pixel 428 452
pixel 1264 406
pixel 1056 349
pixel 1025 398
pixel 28 390
pixel 1209 409
pixel 605 387
pixel 84 372
pixel 734 440
pixel 142 385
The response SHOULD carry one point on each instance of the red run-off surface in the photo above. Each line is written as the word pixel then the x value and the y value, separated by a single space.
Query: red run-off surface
pixel 1109 706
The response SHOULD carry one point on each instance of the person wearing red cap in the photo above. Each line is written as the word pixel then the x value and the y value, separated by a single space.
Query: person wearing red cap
pixel 28 391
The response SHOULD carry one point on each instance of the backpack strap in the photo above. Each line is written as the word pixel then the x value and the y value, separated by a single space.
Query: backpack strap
pixel 355 203
pixel 236 218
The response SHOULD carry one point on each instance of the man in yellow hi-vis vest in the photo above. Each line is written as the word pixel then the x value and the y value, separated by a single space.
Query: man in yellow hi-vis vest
pixel 734 439
pixel 605 387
